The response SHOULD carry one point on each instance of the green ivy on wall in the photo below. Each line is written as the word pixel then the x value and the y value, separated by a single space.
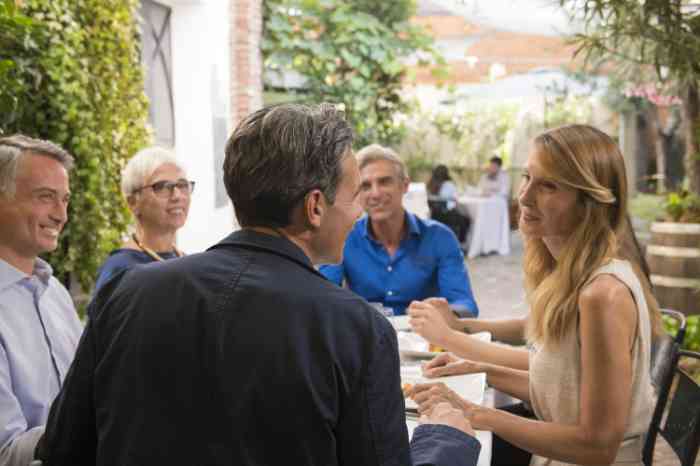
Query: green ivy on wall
pixel 86 84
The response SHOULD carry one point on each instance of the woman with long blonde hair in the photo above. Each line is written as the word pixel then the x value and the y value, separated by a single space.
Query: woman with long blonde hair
pixel 592 316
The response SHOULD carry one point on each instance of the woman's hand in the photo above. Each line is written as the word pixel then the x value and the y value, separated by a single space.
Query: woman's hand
pixel 445 414
pixel 443 307
pixel 448 364
pixel 428 322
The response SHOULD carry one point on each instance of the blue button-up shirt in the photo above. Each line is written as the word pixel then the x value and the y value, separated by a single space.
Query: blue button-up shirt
pixel 39 332
pixel 428 263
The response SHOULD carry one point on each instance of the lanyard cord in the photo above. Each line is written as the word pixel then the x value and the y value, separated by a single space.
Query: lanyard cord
pixel 154 255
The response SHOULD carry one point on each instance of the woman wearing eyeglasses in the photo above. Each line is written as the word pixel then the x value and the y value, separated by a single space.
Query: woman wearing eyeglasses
pixel 158 192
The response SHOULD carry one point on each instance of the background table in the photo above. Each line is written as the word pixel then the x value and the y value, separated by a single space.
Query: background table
pixel 490 228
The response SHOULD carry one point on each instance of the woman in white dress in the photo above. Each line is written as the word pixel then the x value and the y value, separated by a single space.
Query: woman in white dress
pixel 592 316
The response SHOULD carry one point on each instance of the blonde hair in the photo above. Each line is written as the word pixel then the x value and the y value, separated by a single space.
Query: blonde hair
pixel 587 160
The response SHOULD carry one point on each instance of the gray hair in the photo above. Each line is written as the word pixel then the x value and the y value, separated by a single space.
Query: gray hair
pixel 375 153
pixel 13 148
pixel 280 153
pixel 142 166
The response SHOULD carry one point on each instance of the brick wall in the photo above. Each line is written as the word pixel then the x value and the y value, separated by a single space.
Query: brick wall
pixel 246 59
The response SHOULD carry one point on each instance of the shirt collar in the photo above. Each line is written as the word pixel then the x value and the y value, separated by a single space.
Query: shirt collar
pixel 275 244
pixel 10 275
pixel 410 219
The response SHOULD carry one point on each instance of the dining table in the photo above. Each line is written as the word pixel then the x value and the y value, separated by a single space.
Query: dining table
pixel 414 351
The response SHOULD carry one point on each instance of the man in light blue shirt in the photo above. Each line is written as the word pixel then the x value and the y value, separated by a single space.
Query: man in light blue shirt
pixel 393 257
pixel 39 328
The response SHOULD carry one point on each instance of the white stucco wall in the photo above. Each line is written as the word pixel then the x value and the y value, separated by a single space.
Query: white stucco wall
pixel 200 54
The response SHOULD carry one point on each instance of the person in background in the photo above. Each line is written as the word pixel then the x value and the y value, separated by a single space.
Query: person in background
pixel 158 193
pixel 495 182
pixel 39 327
pixel 442 199
pixel 245 354
pixel 592 314
pixel 393 257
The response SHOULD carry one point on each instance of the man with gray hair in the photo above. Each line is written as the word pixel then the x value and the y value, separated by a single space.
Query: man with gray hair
pixel 39 328
pixel 391 256
pixel 244 354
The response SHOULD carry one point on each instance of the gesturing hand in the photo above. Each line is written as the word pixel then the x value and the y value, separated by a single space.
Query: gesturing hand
pixel 448 364
pixel 427 322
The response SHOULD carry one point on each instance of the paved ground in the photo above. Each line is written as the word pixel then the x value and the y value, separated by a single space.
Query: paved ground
pixel 497 282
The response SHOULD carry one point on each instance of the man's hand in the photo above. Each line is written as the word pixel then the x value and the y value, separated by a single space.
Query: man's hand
pixel 446 415
pixel 448 364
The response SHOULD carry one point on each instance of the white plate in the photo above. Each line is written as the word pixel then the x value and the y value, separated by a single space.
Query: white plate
pixel 414 346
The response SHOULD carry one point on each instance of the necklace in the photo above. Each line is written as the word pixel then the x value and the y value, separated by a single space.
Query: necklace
pixel 151 252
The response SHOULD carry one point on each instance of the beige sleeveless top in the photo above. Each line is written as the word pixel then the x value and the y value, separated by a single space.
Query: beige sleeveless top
pixel 555 376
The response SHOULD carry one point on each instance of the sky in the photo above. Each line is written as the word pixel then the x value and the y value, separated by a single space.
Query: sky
pixel 533 16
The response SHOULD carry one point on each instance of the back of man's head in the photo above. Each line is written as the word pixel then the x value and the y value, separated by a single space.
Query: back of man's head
pixel 278 154
pixel 496 160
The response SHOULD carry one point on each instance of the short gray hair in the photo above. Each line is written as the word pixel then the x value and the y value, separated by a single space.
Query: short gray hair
pixel 142 165
pixel 13 148
pixel 375 153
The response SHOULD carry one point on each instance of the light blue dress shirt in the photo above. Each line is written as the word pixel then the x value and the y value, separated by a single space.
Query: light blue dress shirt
pixel 39 332
pixel 428 263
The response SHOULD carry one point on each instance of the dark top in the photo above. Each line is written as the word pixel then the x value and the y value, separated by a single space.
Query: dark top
pixel 123 258
pixel 241 355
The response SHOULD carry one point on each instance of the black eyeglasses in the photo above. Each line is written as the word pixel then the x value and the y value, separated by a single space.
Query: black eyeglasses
pixel 167 188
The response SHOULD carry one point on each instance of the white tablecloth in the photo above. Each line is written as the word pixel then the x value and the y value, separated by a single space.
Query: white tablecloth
pixel 490 228
pixel 416 200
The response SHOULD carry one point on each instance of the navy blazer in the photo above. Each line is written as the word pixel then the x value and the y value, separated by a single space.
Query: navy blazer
pixel 241 355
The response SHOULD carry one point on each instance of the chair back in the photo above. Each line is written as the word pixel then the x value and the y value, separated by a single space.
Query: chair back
pixel 664 358
pixel 680 318
pixel 437 206
pixel 681 425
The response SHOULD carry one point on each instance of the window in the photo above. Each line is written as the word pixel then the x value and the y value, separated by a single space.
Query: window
pixel 156 57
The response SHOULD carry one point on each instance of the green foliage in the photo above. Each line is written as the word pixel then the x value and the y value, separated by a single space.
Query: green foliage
pixel 464 140
pixel 692 331
pixel 90 100
pixel 350 53
pixel 20 44
pixel 648 207
pixel 682 207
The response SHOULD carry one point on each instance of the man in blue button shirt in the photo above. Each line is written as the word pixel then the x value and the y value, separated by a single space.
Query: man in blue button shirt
pixel 393 257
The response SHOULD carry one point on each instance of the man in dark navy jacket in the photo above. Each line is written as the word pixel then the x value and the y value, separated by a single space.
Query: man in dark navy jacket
pixel 245 354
